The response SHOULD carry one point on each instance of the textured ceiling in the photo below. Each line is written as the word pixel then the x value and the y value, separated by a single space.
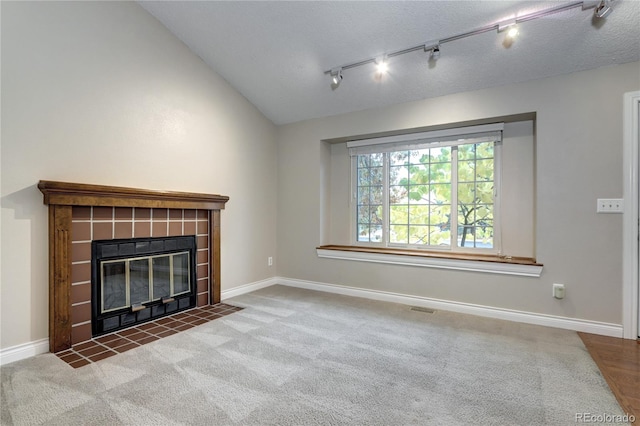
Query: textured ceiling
pixel 275 53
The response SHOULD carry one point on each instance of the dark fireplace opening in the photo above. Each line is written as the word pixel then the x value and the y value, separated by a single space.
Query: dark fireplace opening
pixel 140 279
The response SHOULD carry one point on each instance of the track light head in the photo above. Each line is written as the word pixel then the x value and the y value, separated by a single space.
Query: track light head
pixel 336 77
pixel 510 26
pixel 433 48
pixel 382 66
pixel 435 53
pixel 603 9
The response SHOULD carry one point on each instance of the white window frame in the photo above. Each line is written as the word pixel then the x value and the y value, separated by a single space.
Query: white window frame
pixel 447 137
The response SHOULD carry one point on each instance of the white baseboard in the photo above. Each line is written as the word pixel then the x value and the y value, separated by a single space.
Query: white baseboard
pixel 247 288
pixel 23 351
pixel 587 326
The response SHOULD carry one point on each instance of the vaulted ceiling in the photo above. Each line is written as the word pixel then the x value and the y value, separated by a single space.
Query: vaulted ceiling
pixel 276 53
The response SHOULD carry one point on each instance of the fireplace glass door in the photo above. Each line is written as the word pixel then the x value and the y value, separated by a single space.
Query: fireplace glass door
pixel 132 282
pixel 140 279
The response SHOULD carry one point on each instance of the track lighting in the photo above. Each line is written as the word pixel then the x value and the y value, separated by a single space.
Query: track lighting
pixel 435 53
pixel 434 50
pixel 336 77
pixel 510 27
pixel 381 65
pixel 602 9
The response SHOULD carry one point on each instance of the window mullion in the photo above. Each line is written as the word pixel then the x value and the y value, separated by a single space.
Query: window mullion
pixel 454 198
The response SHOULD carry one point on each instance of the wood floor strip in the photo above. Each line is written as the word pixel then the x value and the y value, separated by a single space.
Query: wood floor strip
pixel 619 363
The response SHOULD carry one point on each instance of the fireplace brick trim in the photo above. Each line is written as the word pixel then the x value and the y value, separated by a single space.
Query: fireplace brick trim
pixel 61 196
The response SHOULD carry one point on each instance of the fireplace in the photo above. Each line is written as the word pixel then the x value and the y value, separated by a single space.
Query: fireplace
pixel 169 232
pixel 140 279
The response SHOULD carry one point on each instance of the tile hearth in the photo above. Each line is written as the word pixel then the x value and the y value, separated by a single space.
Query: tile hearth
pixel 121 341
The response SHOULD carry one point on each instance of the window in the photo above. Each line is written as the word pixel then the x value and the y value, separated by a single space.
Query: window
pixel 430 191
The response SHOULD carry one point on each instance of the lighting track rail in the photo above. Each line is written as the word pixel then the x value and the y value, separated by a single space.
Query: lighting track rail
pixel 602 9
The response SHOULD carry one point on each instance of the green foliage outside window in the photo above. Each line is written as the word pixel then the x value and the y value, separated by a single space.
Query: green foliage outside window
pixel 420 185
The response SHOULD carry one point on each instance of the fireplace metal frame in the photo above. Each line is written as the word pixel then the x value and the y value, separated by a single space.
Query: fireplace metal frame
pixel 139 248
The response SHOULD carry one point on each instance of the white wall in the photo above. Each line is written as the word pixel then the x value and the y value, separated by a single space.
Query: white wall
pixel 102 93
pixel 579 159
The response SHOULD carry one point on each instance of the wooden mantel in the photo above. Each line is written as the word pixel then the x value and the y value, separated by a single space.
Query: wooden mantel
pixel 81 194
pixel 62 196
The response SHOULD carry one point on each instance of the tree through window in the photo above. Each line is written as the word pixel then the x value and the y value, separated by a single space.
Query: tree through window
pixel 429 194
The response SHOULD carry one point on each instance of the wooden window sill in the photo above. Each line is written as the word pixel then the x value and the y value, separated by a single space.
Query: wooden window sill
pixel 430 259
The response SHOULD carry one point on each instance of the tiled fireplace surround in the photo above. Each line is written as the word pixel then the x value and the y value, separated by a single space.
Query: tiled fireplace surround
pixel 106 223
pixel 81 213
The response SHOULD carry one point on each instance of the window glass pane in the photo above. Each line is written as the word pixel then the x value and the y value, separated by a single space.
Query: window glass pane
pixel 376 160
pixel 114 286
pixel 399 158
pixel 419 194
pixel 476 237
pixel 439 237
pixel 440 173
pixel 398 175
pixel 363 214
pixel 363 195
pixel 484 150
pixel 466 171
pixel 466 193
pixel 399 234
pixel 484 237
pixel 484 192
pixel 181 273
pixel 376 233
pixel 440 155
pixel 418 235
pixel 419 156
pixel 376 215
pixel 399 195
pixel 363 177
pixel 376 195
pixel 363 233
pixel 441 194
pixel 466 152
pixel 375 176
pixel 370 196
pixel 484 170
pixel 439 215
pixel 161 277
pixel 399 214
pixel 139 280
pixel 419 215
pixel 484 212
pixel 475 195
pixel 418 174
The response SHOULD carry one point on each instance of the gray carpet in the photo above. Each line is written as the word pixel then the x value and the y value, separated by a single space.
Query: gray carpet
pixel 299 357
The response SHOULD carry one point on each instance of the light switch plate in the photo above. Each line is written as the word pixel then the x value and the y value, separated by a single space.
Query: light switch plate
pixel 610 205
